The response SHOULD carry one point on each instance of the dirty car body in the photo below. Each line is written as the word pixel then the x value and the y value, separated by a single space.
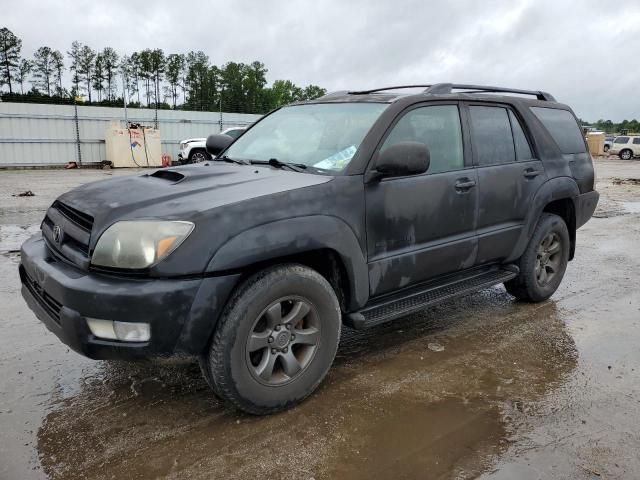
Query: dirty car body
pixel 387 241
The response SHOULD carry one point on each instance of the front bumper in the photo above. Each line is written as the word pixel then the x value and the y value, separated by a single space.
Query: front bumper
pixel 182 312
pixel 585 206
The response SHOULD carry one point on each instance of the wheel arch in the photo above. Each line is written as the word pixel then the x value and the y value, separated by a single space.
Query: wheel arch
pixel 325 243
pixel 565 208
pixel 557 196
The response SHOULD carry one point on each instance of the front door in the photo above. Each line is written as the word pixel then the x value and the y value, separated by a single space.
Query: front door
pixel 422 226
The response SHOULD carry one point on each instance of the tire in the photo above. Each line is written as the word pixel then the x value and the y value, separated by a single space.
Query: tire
pixel 626 154
pixel 198 155
pixel 538 281
pixel 287 309
pixel 606 148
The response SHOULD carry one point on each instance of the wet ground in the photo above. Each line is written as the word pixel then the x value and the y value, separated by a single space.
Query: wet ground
pixel 479 387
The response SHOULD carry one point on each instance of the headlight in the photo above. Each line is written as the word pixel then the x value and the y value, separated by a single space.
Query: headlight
pixel 139 243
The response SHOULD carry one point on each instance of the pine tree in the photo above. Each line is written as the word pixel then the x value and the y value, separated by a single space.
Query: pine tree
pixel 10 47
pixel 43 70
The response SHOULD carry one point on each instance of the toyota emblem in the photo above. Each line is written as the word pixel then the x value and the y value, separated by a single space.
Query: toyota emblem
pixel 57 233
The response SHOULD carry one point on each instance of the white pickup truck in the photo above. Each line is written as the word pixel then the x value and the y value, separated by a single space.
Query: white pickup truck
pixel 193 150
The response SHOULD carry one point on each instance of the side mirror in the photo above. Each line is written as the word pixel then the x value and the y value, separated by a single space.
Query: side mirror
pixel 405 158
pixel 217 143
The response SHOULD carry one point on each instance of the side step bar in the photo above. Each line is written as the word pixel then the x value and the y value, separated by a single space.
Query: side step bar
pixel 398 305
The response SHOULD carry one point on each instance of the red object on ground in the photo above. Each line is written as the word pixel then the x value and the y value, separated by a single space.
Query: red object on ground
pixel 71 165
pixel 166 160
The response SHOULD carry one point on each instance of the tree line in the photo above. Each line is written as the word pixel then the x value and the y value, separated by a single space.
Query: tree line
pixel 626 126
pixel 149 78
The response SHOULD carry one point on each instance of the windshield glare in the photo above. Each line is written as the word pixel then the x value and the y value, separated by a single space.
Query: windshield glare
pixel 324 136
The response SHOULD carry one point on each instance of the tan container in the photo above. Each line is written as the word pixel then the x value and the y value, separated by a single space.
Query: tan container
pixel 595 140
pixel 133 147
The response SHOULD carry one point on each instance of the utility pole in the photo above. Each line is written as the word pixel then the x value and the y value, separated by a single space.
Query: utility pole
pixel 124 99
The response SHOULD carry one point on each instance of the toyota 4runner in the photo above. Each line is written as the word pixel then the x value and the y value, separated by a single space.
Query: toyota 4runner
pixel 357 208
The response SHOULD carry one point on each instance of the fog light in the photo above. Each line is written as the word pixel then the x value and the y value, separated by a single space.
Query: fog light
pixel 123 331
pixel 102 328
pixel 132 332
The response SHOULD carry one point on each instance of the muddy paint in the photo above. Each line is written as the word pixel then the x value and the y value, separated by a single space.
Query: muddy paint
pixel 550 390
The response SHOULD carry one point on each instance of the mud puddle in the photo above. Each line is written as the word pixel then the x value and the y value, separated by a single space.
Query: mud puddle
pixel 390 406
pixel 423 440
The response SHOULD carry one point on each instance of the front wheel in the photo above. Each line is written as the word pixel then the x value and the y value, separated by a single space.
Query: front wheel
pixel 275 341
pixel 543 262
pixel 198 155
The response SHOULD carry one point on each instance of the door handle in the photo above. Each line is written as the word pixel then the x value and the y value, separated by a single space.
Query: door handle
pixel 531 173
pixel 464 184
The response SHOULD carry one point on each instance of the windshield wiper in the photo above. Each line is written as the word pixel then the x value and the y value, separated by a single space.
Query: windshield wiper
pixel 226 158
pixel 274 162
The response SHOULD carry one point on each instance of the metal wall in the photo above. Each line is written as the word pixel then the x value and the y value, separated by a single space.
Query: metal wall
pixel 38 134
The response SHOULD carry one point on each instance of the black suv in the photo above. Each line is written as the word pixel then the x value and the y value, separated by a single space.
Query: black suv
pixel 358 207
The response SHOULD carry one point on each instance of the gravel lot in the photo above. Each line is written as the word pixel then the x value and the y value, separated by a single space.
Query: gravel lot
pixel 479 387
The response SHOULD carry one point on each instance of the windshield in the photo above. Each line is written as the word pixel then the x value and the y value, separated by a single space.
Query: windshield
pixel 323 136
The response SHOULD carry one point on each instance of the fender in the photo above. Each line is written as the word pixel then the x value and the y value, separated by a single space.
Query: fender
pixel 557 188
pixel 298 235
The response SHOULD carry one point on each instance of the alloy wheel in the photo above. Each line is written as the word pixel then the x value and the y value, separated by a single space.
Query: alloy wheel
pixel 549 259
pixel 198 157
pixel 283 341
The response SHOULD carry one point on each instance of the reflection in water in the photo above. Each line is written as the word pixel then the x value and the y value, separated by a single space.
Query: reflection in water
pixel 390 406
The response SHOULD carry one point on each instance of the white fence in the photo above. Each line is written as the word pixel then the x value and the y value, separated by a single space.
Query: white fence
pixel 41 135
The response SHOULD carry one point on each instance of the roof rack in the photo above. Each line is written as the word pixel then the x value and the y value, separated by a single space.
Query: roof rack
pixel 365 92
pixel 446 88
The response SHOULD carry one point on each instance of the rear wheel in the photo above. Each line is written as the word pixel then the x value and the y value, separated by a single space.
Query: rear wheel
pixel 275 341
pixel 606 148
pixel 544 261
pixel 626 154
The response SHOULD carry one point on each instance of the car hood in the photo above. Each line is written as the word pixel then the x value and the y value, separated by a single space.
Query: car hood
pixel 182 193
pixel 189 140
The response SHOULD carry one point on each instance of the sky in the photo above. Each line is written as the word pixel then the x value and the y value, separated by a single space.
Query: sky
pixel 583 52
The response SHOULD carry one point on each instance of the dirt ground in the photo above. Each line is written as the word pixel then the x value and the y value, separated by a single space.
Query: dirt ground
pixel 479 387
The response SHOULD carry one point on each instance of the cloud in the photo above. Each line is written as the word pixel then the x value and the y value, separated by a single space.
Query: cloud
pixel 579 51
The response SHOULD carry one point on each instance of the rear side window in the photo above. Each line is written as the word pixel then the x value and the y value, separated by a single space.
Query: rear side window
pixel 563 127
pixel 636 141
pixel 523 150
pixel 491 135
pixel 621 140
pixel 439 128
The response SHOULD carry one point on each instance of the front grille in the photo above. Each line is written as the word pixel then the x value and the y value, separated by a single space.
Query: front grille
pixel 77 217
pixel 68 232
pixel 46 301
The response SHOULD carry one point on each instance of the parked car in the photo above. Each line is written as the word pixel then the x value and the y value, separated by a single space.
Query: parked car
pixel 608 142
pixel 357 207
pixel 626 146
pixel 193 150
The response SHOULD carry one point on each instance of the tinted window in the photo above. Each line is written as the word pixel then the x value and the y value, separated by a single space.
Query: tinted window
pixel 234 133
pixel 523 150
pixel 439 128
pixel 636 141
pixel 621 140
pixel 563 127
pixel 491 135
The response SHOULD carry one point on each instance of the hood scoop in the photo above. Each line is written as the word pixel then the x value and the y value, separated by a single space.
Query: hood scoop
pixel 169 175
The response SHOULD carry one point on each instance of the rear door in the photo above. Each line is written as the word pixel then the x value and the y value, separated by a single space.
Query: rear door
pixel 509 174
pixel 421 226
